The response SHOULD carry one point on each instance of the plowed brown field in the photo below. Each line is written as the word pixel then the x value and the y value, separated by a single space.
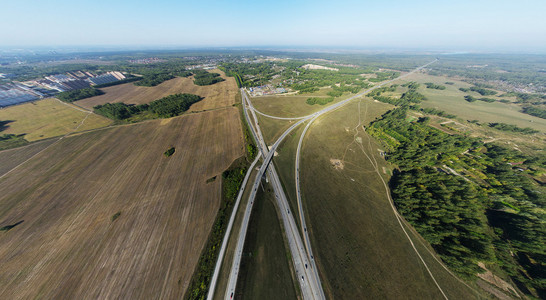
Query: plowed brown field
pixel 68 246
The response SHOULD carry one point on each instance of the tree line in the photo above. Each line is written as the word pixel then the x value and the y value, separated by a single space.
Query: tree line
pixel 74 95
pixel 512 128
pixel 200 283
pixel 166 107
pixel 203 77
pixel 431 85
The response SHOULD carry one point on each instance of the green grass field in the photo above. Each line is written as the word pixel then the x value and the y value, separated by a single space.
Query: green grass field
pixel 48 118
pixel 452 101
pixel 265 272
pixel 284 164
pixel 292 105
pixel 272 128
pixel 361 250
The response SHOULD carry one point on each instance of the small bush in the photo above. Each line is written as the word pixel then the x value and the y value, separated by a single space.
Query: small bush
pixel 469 98
pixel 116 215
pixel 169 152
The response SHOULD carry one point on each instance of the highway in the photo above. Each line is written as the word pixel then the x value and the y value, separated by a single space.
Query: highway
pixel 304 270
pixel 214 279
pixel 309 287
pixel 298 197
pixel 304 266
pixel 288 220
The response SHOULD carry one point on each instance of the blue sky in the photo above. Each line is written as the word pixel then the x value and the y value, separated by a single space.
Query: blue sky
pixel 463 25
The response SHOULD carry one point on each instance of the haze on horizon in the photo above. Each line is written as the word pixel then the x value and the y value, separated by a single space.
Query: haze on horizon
pixel 515 26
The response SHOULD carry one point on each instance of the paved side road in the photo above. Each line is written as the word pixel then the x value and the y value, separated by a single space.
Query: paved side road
pixel 214 279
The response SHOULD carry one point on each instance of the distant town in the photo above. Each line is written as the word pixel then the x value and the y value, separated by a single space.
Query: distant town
pixel 13 93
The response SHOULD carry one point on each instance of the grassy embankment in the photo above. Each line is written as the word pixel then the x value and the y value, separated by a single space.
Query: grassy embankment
pixel 265 271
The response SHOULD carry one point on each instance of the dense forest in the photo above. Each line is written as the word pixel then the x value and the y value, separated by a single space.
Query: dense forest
pixel 203 77
pixel 166 107
pixel 473 202
pixel 74 95
pixel 173 105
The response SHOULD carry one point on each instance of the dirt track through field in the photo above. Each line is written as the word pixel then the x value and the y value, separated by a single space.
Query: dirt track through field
pixel 68 246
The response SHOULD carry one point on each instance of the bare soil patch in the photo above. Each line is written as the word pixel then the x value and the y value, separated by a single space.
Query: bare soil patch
pixel 337 164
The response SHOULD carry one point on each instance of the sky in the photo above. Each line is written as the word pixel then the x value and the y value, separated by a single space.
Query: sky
pixel 515 25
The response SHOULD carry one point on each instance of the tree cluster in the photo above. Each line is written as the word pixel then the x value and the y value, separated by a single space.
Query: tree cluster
pixel 512 128
pixel 438 112
pixel 203 77
pixel 154 79
pixel 535 111
pixel 319 100
pixel 431 85
pixel 411 96
pixel 166 107
pixel 74 95
pixel 8 141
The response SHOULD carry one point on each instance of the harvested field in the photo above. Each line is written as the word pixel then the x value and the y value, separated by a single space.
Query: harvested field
pixel 48 118
pixel 69 244
pixel 12 157
pixel 221 94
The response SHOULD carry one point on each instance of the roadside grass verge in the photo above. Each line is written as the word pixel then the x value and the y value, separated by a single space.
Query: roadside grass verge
pixel 265 271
